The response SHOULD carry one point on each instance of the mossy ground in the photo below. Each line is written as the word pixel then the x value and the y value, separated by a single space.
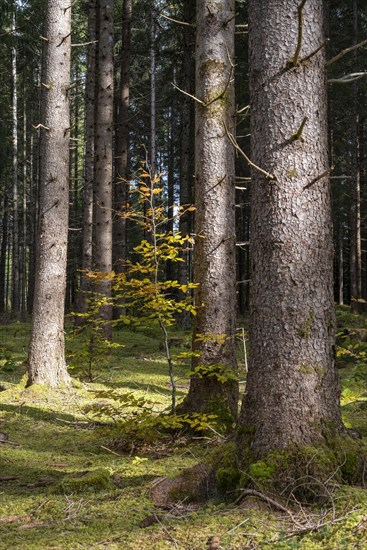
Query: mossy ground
pixel 72 490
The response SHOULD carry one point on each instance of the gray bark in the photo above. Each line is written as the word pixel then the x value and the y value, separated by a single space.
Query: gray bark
pixel 102 250
pixel 292 387
pixel 214 263
pixel 46 363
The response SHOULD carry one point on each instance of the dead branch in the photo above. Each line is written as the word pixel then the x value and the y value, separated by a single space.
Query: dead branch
pixel 184 23
pixel 268 500
pixel 345 51
pixel 318 178
pixel 294 60
pixel 346 79
pixel 249 162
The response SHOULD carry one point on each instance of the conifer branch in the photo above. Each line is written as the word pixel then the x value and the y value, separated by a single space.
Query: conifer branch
pixel 294 61
pixel 345 51
pixel 232 139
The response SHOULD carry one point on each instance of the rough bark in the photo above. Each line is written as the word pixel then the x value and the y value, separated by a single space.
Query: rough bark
pixel 46 363
pixel 102 250
pixel 292 387
pixel 214 263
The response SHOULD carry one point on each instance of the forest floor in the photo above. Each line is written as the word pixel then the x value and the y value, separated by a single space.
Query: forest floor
pixel 65 484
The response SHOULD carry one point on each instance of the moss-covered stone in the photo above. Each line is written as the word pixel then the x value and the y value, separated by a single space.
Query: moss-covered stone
pixel 86 482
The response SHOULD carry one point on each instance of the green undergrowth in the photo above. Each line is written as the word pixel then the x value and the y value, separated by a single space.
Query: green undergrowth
pixel 64 484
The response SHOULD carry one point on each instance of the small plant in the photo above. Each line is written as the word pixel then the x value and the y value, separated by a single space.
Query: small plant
pixel 135 420
pixel 93 345
pixel 142 286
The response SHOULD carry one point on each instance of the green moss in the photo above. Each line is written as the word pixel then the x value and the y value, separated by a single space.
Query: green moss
pixel 261 470
pixel 86 482
pixel 305 369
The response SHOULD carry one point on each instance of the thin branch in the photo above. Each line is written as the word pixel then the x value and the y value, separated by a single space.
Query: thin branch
pixel 318 178
pixel 294 61
pixel 84 44
pixel 299 132
pixel 270 501
pixel 184 23
pixel 242 153
pixel 219 96
pixel 40 126
pixel 346 79
pixel 227 83
pixel 308 57
pixel 188 95
pixel 344 52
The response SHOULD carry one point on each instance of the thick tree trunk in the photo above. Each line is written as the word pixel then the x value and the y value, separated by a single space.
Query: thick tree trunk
pixel 293 389
pixel 214 268
pixel 102 250
pixel 46 363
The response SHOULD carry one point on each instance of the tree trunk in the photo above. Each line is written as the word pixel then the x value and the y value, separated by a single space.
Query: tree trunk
pixel 102 250
pixel 3 254
pixel 87 222
pixel 15 306
pixel 187 167
pixel 214 267
pixel 292 389
pixel 355 214
pixel 123 142
pixel 46 363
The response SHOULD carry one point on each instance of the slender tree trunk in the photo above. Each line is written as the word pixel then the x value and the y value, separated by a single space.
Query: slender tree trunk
pixel 3 254
pixel 23 278
pixel 103 157
pixel 123 142
pixel 153 108
pixel 187 167
pixel 341 268
pixel 292 390
pixel 46 364
pixel 355 214
pixel 15 250
pixel 214 331
pixel 87 222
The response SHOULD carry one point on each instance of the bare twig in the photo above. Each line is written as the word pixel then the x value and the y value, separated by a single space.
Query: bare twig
pixel 188 95
pixel 318 178
pixel 312 54
pixel 84 44
pixel 294 61
pixel 238 148
pixel 299 132
pixel 346 79
pixel 269 500
pixel 345 51
pixel 216 98
pixel 184 23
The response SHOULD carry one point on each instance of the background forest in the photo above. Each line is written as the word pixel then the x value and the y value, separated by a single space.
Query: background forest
pixel 138 180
